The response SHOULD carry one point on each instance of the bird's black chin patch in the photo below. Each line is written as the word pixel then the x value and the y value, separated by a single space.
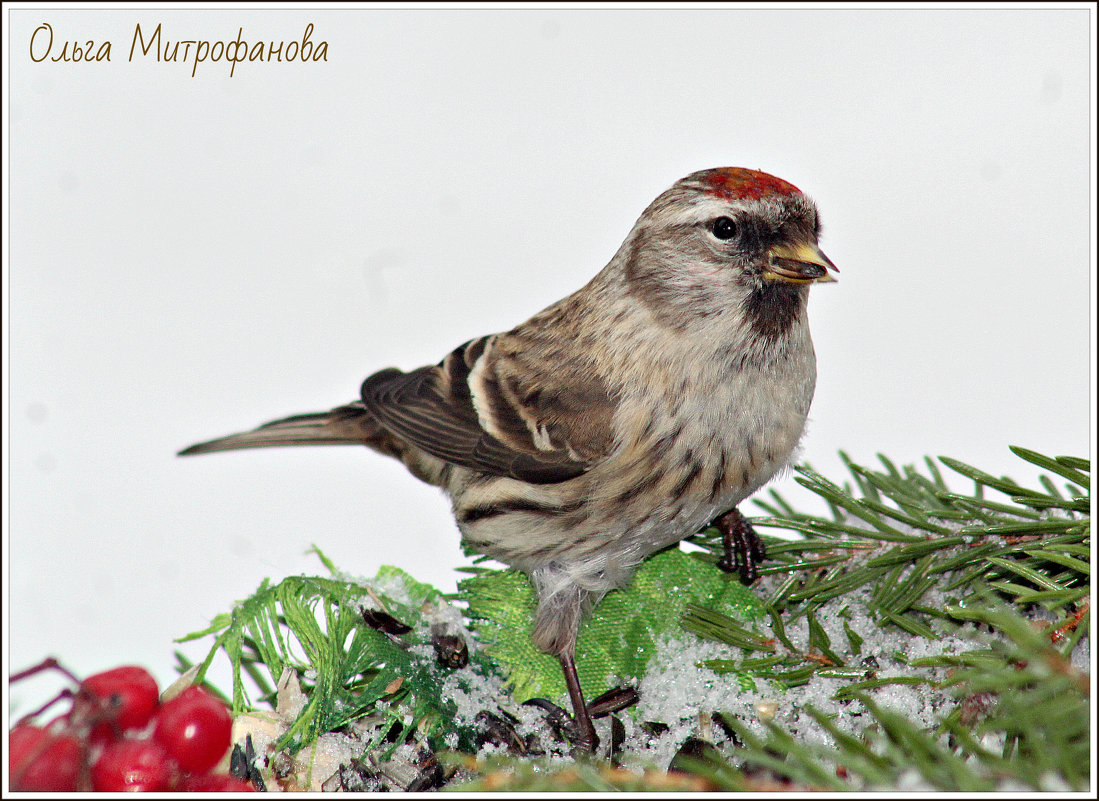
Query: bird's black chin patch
pixel 772 307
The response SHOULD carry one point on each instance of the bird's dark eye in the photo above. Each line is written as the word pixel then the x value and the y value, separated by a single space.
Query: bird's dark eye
pixel 723 228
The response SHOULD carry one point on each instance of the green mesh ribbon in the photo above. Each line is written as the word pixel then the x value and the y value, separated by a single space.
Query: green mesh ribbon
pixel 618 640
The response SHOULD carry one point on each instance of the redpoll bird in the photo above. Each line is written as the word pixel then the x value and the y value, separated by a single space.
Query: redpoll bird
pixel 622 418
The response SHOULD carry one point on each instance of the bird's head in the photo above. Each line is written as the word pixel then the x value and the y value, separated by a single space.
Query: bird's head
pixel 723 240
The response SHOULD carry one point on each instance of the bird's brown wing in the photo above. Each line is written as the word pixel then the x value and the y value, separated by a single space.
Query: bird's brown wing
pixel 506 421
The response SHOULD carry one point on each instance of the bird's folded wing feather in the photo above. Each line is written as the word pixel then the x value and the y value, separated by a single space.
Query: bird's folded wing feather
pixel 536 425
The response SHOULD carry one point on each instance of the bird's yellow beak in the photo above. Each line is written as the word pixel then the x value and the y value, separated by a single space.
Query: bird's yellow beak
pixel 799 263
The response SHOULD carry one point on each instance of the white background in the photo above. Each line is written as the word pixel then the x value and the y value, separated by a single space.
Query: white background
pixel 192 256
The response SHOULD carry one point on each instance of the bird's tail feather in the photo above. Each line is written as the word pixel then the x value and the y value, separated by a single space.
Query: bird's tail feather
pixel 344 425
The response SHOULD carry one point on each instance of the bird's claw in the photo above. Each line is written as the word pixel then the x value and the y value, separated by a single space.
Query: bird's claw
pixel 572 730
pixel 565 726
pixel 744 550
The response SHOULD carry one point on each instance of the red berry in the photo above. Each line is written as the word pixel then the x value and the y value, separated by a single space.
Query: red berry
pixel 132 766
pixel 129 695
pixel 39 760
pixel 195 728
pixel 211 783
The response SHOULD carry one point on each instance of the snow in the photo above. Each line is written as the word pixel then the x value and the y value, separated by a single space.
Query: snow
pixel 675 690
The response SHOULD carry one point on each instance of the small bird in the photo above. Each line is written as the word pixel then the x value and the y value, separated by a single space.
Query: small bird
pixel 622 418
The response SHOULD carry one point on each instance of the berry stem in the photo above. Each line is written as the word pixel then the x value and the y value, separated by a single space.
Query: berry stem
pixel 49 663
pixel 65 693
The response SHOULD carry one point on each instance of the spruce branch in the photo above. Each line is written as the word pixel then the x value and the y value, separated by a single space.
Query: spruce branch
pixel 981 595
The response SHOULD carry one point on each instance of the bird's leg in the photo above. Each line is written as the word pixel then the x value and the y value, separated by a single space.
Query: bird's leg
pixel 743 547
pixel 585 730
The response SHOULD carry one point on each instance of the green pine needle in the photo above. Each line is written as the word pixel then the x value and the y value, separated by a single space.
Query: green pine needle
pixel 347 668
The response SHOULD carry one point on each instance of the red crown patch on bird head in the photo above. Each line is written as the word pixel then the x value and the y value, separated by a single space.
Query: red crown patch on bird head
pixel 730 183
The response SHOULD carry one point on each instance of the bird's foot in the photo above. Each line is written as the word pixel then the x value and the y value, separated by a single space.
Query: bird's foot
pixel 566 728
pixel 744 549
pixel 578 731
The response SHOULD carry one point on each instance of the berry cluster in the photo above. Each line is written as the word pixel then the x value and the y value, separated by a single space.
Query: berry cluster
pixel 118 736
